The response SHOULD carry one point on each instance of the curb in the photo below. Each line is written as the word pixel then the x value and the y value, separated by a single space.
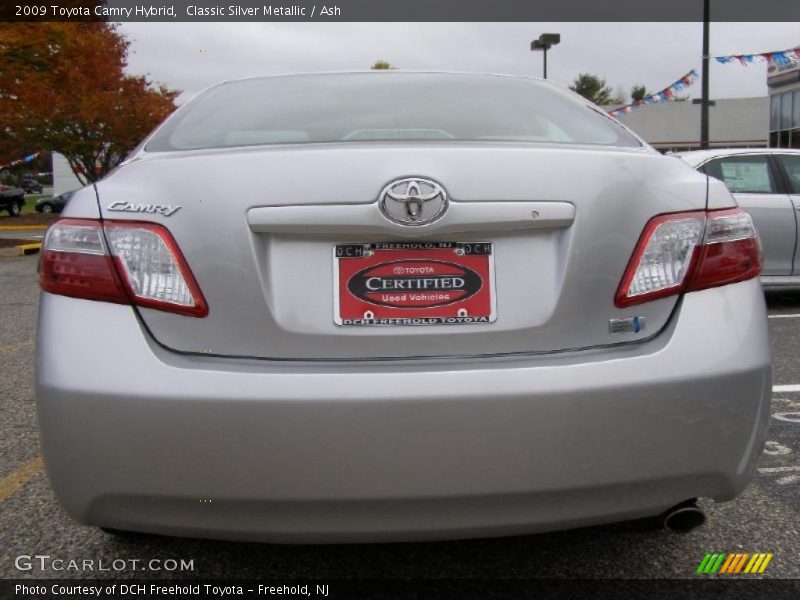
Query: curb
pixel 23 227
pixel 25 249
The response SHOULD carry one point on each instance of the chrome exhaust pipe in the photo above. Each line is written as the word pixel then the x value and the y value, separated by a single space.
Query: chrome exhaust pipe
pixel 683 517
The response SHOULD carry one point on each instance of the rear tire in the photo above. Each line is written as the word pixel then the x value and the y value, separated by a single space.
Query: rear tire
pixel 47 208
pixel 15 209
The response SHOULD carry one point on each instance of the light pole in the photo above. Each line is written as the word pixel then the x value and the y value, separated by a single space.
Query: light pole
pixel 704 101
pixel 545 42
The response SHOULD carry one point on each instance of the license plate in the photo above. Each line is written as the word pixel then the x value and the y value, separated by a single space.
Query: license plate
pixel 413 283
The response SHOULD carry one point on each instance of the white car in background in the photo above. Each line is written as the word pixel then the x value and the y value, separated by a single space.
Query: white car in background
pixel 765 183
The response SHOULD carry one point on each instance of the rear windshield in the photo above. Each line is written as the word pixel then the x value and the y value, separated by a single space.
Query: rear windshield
pixel 361 107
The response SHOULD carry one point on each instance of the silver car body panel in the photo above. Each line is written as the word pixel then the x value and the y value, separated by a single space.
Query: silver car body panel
pixel 138 437
pixel 83 204
pixel 774 216
pixel 268 278
pixel 776 281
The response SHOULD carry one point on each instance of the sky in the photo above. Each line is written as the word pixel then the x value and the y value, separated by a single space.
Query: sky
pixel 191 56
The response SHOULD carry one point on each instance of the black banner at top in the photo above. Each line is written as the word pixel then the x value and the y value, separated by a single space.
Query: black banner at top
pixel 398 10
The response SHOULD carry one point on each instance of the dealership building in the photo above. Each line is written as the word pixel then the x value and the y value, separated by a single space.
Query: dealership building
pixel 784 113
pixel 675 126
pixel 772 120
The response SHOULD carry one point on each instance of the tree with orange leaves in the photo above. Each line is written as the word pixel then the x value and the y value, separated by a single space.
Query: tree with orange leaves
pixel 63 87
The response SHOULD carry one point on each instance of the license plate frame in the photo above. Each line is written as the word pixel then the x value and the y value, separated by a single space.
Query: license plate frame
pixel 429 283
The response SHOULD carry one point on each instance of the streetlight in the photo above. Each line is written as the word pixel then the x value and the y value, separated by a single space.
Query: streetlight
pixel 545 42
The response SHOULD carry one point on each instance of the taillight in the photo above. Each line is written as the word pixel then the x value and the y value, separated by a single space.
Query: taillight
pixel 140 263
pixel 153 269
pixel 684 252
pixel 75 262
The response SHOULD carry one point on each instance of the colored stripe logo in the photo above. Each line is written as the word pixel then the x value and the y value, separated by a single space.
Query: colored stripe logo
pixel 733 563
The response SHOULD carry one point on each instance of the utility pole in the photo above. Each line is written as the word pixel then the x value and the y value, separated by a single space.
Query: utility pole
pixel 705 103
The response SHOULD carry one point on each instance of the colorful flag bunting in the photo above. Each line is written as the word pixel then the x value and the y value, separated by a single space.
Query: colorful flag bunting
pixel 664 95
pixel 781 57
pixel 21 161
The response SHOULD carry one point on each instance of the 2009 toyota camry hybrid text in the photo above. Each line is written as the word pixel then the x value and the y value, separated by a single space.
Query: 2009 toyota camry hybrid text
pixel 398 306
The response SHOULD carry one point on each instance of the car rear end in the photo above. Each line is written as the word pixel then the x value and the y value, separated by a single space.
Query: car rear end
pixel 449 322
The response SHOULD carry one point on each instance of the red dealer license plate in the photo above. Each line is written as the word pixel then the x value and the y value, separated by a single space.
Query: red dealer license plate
pixel 413 283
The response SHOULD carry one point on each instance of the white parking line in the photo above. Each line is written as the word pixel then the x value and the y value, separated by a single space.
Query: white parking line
pixel 776 449
pixel 789 417
pixel 792 316
pixel 786 404
pixel 778 469
pixel 788 480
pixel 777 389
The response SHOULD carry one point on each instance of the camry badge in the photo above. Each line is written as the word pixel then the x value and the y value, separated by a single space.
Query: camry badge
pixel 413 201
pixel 155 209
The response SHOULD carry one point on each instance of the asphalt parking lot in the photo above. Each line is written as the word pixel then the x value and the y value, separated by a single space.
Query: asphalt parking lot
pixel 765 518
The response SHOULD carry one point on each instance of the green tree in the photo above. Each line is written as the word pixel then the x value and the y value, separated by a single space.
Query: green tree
pixel 381 65
pixel 638 93
pixel 592 87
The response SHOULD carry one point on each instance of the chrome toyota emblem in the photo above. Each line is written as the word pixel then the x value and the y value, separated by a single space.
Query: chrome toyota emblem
pixel 413 201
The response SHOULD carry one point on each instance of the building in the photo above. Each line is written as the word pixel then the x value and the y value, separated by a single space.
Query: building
pixel 64 180
pixel 674 126
pixel 784 112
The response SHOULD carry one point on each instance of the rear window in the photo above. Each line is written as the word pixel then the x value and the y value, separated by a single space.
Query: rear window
pixel 361 107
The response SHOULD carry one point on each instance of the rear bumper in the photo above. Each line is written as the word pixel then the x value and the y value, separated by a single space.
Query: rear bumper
pixel 136 437
pixel 780 281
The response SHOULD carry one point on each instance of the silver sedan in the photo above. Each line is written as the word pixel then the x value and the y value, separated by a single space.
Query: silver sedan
pixel 396 306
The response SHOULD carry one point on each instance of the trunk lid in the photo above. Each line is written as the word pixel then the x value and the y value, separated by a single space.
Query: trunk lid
pixel 258 227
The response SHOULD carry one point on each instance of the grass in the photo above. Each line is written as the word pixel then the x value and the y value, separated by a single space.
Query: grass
pixel 30 202
pixel 29 216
